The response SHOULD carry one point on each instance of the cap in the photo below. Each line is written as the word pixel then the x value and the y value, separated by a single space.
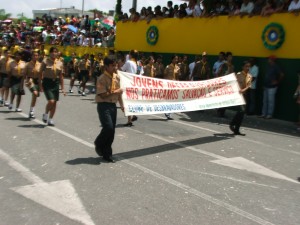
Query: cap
pixel 272 57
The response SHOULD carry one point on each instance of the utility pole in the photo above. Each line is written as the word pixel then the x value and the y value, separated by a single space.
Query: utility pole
pixel 82 7
pixel 134 4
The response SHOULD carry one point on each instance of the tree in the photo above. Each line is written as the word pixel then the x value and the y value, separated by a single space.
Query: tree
pixel 4 15
pixel 118 9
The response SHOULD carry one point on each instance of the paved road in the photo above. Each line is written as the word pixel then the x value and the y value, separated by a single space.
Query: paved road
pixel 187 171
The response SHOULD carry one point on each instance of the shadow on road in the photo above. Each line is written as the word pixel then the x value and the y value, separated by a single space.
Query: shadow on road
pixel 18 118
pixel 251 122
pixel 32 126
pixel 173 146
pixel 90 161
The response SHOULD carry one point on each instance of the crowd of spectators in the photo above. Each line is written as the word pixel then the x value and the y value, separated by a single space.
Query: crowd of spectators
pixel 65 31
pixel 202 8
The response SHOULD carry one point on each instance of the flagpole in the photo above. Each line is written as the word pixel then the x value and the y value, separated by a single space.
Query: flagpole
pixel 134 4
pixel 82 7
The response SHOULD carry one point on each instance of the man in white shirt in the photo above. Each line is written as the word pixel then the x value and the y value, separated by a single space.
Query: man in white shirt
pixel 246 8
pixel 251 95
pixel 294 6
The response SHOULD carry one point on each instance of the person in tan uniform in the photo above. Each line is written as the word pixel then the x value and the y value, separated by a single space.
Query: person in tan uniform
pixel 16 78
pixel 159 67
pixel 107 95
pixel 72 70
pixel 149 69
pixel 4 81
pixel 172 72
pixel 52 75
pixel 33 80
pixel 202 69
pixel 85 71
pixel 244 79
pixel 184 68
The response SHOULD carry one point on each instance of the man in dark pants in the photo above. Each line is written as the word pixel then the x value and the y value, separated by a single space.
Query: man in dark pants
pixel 108 94
pixel 244 80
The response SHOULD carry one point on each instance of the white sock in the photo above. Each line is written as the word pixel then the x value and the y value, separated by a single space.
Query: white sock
pixel 31 109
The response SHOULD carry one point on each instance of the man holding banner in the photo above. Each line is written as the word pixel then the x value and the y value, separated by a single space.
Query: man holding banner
pixel 107 95
pixel 244 79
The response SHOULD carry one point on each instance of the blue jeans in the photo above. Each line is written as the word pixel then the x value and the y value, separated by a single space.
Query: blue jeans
pixel 269 101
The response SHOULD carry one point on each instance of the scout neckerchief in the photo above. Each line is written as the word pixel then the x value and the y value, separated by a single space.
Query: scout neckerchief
pixel 19 67
pixel 86 64
pixel 113 84
pixel 54 67
pixel 6 64
pixel 203 69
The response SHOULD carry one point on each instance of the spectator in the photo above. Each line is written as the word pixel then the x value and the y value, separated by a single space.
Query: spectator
pixel 294 6
pixel 193 9
pixel 184 68
pixel 269 8
pixel 246 8
pixel 251 95
pixel 258 6
pixel 218 64
pixel 170 12
pixel 272 80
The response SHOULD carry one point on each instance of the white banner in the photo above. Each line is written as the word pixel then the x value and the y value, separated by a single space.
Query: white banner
pixel 145 95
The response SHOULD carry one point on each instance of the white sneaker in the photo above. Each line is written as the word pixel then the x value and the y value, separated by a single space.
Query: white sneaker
pixel 70 91
pixel 10 106
pixel 93 91
pixel 45 118
pixel 18 110
pixel 6 104
pixel 31 115
pixel 51 123
pixel 83 94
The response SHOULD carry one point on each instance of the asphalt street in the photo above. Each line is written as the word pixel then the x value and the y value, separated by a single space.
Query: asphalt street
pixel 190 170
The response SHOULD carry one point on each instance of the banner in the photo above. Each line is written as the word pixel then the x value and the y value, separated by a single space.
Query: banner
pixel 145 95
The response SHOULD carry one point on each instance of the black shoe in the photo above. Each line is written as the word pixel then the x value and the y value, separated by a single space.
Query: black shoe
pixel 98 151
pixel 134 118
pixel 109 159
pixel 239 133
pixel 129 124
pixel 231 127
pixel 169 118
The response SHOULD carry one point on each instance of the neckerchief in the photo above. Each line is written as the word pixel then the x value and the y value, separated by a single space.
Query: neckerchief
pixel 113 84
pixel 203 69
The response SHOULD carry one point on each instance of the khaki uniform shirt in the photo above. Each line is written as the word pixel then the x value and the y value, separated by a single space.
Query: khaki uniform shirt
pixel 201 70
pixel 159 69
pixel 107 83
pixel 244 79
pixel 172 72
pixel 4 65
pixel 17 69
pixel 84 64
pixel 51 69
pixel 149 71
pixel 33 70
pixel 184 70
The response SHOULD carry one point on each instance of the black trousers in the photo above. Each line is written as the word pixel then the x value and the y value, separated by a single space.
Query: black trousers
pixel 107 113
pixel 238 118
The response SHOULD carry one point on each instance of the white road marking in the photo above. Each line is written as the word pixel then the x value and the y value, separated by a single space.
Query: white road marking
pixel 175 183
pixel 60 196
pixel 244 164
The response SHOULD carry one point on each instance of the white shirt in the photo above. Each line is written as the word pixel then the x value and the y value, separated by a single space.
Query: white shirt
pixel 247 8
pixel 129 67
pixel 191 67
pixel 217 66
pixel 196 12
pixel 254 73
pixel 294 6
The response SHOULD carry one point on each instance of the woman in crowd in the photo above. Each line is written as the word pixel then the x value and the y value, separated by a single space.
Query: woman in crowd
pixel 131 66
pixel 33 80
pixel 149 69
pixel 52 74
pixel 16 77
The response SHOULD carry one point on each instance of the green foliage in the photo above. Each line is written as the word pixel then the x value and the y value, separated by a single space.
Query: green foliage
pixel 119 7
pixel 4 15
